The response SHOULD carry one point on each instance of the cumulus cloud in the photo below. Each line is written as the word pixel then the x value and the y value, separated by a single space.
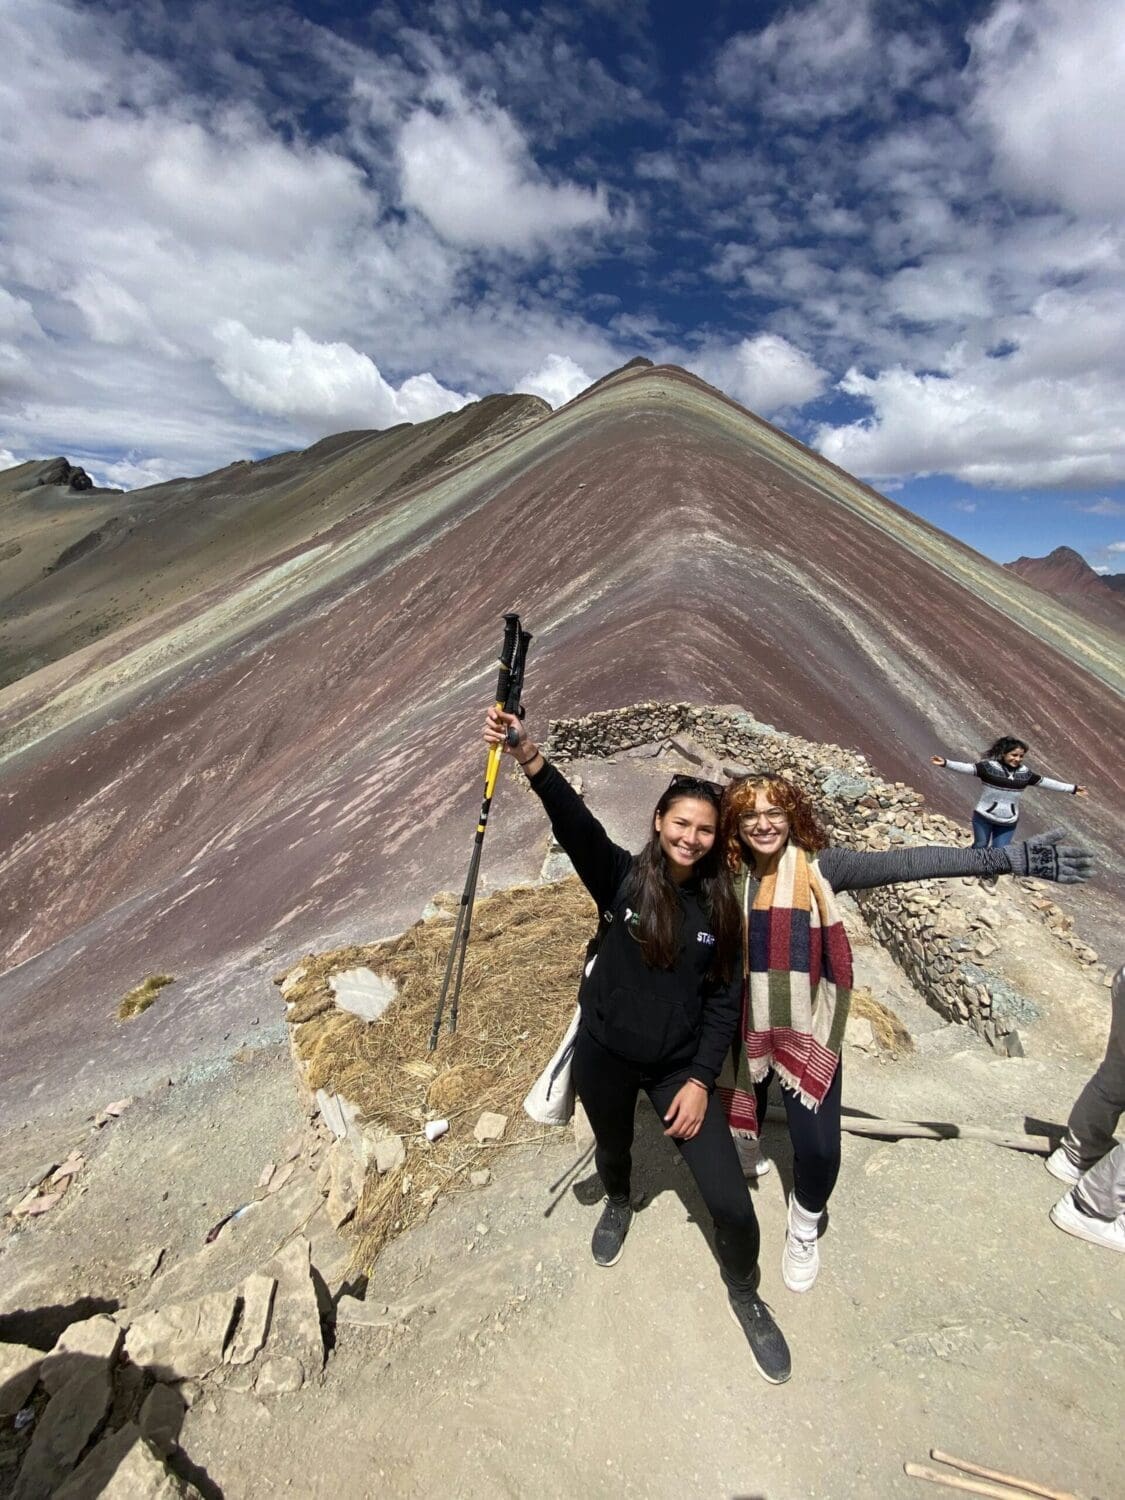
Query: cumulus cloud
pixel 982 425
pixel 470 173
pixel 1049 79
pixel 8 460
pixel 323 385
pixel 557 380
pixel 821 60
pixel 766 373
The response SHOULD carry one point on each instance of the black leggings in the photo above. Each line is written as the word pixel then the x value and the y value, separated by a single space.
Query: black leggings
pixel 608 1088
pixel 816 1141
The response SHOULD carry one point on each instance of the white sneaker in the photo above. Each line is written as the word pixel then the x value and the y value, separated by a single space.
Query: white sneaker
pixel 1060 1165
pixel 1108 1232
pixel 800 1260
pixel 750 1157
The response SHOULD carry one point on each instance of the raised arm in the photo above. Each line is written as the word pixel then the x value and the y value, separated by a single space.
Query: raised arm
pixel 967 767
pixel 1062 786
pixel 1044 857
pixel 601 864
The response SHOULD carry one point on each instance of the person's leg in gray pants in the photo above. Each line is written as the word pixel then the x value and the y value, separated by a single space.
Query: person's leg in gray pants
pixel 1102 1188
pixel 1093 1120
pixel 1094 1209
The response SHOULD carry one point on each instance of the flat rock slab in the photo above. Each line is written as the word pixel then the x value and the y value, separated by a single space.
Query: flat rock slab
pixel 72 1416
pixel 362 992
pixel 257 1303
pixel 241 1249
pixel 346 1174
pixel 183 1340
pixel 19 1371
pixel 390 1154
pixel 97 1338
pixel 125 1467
pixel 490 1127
pixel 295 1331
pixel 161 1417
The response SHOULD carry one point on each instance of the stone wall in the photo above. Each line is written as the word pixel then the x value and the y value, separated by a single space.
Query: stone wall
pixel 940 932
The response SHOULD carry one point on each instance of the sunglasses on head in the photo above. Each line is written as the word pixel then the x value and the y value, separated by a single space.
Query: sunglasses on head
pixel 696 786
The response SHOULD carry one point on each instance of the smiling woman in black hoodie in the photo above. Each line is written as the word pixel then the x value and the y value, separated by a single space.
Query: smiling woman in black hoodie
pixel 659 1009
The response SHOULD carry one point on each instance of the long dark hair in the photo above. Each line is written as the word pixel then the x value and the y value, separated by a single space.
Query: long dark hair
pixel 1002 746
pixel 652 893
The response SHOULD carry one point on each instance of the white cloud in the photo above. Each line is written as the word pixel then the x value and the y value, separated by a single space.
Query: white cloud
pixel 470 173
pixel 1116 547
pixel 821 60
pixel 17 320
pixel 325 386
pixel 1051 411
pixel 557 380
pixel 1103 507
pixel 767 373
pixel 8 459
pixel 1049 78
pixel 967 506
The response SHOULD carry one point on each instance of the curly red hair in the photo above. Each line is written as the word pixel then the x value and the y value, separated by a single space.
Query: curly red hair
pixel 739 797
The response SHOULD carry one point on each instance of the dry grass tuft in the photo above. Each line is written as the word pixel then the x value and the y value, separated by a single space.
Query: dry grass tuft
pixel 141 996
pixel 521 979
pixel 889 1031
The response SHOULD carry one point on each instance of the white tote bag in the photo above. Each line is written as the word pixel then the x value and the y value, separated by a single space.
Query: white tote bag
pixel 550 1100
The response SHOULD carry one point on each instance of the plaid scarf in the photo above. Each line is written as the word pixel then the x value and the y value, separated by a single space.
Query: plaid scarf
pixel 797 989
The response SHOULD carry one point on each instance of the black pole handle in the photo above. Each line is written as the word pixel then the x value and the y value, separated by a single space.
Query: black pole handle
pixel 507 652
pixel 515 675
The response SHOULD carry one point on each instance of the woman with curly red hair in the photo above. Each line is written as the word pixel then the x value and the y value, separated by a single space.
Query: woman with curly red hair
pixel 797 972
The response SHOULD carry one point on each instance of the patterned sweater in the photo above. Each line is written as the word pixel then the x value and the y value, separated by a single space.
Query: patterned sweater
pixel 1000 799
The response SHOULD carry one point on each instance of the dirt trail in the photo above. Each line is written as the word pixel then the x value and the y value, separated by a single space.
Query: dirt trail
pixel 502 1362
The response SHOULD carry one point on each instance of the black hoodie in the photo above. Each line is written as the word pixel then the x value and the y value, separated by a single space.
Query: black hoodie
pixel 661 1020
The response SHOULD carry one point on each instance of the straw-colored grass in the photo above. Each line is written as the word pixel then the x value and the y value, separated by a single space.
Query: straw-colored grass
pixel 141 996
pixel 518 992
pixel 889 1031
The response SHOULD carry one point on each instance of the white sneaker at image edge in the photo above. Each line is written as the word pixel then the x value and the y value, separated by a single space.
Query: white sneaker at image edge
pixel 1108 1232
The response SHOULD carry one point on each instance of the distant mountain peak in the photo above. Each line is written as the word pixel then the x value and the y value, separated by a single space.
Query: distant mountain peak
pixel 1067 576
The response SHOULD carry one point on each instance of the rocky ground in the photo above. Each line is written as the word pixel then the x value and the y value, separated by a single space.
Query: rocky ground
pixel 491 1357
pixel 196 1352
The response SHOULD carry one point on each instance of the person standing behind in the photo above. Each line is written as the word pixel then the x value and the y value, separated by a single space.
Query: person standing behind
pixel 1005 778
pixel 1089 1159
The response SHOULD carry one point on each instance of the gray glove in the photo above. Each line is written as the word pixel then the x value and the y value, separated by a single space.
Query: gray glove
pixel 1047 859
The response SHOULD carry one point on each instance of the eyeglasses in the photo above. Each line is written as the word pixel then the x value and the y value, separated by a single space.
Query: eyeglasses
pixel 696 786
pixel 776 816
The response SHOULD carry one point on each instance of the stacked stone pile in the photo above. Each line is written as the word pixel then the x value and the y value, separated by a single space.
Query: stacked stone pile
pixel 939 932
pixel 101 1412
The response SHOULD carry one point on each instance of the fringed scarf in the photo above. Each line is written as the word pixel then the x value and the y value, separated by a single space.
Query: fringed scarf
pixel 797 989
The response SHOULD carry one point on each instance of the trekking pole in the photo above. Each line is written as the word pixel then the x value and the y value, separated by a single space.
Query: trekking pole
pixel 509 686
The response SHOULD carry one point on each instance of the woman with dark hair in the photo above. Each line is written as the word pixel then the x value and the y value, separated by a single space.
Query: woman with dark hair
pixel 797 972
pixel 659 1007
pixel 1005 777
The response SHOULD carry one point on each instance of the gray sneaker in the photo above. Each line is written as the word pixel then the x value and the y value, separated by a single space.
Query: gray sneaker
pixel 768 1348
pixel 609 1235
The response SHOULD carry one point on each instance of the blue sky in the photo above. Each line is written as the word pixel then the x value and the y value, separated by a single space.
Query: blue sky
pixel 894 227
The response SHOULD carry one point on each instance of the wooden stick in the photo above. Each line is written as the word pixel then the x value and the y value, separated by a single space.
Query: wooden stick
pixel 956 1482
pixel 930 1131
pixel 1024 1484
